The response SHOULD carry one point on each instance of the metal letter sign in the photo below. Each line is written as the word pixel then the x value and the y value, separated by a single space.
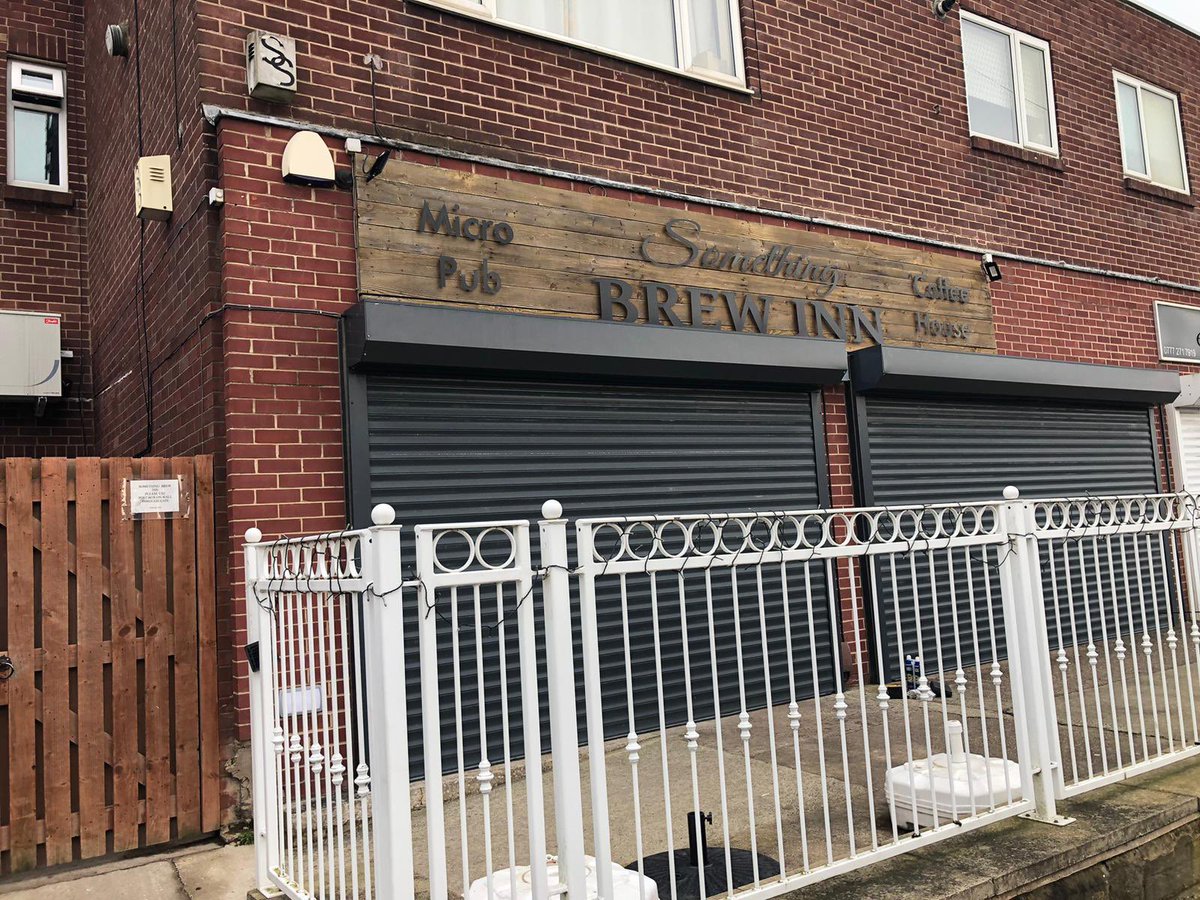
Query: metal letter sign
pixel 1178 329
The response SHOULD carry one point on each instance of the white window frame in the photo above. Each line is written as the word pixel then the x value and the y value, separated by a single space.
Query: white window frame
pixel 57 92
pixel 486 11
pixel 1140 86
pixel 1015 40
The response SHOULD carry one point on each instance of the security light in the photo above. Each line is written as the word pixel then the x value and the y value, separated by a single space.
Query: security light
pixel 991 268
pixel 378 165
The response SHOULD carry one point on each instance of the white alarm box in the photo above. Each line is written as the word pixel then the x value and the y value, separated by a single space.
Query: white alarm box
pixel 30 354
pixel 270 66
pixel 152 188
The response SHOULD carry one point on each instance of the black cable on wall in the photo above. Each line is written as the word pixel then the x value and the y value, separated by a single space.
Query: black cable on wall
pixel 147 375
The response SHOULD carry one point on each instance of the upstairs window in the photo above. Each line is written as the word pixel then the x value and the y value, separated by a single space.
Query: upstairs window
pixel 1010 90
pixel 696 37
pixel 1151 134
pixel 37 126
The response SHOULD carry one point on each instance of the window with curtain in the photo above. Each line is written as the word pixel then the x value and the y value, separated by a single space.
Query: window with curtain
pixel 1151 133
pixel 37 133
pixel 1010 90
pixel 696 37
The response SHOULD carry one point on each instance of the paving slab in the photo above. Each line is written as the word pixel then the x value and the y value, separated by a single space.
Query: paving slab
pixel 1011 857
pixel 218 874
pixel 153 881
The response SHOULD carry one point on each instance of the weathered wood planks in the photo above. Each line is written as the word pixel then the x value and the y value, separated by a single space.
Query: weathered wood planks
pixel 112 740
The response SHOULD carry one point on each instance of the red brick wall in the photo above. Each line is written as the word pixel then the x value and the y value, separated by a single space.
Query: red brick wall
pixel 288 261
pixel 858 113
pixel 43 247
pixel 1051 314
pixel 152 284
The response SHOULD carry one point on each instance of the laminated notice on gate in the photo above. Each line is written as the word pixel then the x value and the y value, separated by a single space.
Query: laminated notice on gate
pixel 154 498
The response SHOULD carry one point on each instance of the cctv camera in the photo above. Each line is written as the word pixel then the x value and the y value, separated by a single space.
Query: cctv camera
pixel 941 8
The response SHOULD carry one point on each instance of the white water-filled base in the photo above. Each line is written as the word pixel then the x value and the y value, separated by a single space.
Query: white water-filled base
pixel 958 784
pixel 626 884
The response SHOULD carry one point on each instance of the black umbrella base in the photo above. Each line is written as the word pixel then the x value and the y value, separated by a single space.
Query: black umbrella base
pixel 716 879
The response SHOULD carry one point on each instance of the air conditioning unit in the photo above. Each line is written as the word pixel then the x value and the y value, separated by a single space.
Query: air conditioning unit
pixel 30 354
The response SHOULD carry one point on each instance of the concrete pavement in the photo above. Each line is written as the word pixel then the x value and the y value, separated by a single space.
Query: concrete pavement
pixel 205 872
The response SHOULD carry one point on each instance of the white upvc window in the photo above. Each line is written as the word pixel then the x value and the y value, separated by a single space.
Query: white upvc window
pixel 1151 134
pixel 1010 88
pixel 698 38
pixel 37 126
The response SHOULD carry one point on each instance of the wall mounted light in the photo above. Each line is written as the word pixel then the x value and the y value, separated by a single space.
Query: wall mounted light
pixel 991 268
pixel 378 165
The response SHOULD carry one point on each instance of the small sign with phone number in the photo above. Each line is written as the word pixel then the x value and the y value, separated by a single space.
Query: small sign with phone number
pixel 1178 329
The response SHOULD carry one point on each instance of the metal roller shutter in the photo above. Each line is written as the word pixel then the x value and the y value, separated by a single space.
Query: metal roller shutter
pixel 453 450
pixel 948 448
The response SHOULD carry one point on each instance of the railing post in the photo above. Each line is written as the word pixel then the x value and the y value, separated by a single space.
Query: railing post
pixel 387 706
pixel 260 632
pixel 1029 662
pixel 564 727
pixel 1186 504
pixel 594 704
pixel 431 721
pixel 531 720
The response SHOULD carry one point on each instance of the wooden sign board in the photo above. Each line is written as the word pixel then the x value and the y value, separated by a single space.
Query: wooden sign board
pixel 451 237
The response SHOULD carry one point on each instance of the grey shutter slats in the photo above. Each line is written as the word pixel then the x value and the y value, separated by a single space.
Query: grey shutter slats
pixel 940 449
pixel 445 450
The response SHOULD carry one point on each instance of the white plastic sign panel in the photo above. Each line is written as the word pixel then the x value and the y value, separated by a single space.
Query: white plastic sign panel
pixel 301 700
pixel 1178 330
pixel 153 497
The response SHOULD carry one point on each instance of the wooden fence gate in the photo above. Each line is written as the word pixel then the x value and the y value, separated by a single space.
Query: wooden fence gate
pixel 108 708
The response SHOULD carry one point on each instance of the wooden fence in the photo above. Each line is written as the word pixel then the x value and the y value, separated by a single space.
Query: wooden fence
pixel 108 716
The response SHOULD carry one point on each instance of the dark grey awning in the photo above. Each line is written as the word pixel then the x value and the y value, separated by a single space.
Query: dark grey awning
pixel 902 369
pixel 388 334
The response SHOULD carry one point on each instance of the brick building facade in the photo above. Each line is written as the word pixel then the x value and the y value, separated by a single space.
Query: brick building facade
pixel 218 331
pixel 43 240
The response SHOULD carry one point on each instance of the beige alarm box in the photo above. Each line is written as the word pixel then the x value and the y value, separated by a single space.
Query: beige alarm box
pixel 152 188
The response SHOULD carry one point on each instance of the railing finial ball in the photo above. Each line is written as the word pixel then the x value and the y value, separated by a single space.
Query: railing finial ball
pixel 552 509
pixel 253 535
pixel 383 514
pixel 1011 492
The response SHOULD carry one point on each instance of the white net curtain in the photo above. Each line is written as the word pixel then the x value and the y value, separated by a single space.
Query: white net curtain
pixel 644 29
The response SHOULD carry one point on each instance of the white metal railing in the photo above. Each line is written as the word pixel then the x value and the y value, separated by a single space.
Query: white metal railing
pixel 830 750
pixel 832 687
pixel 312 780
pixel 1124 632
pixel 473 594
